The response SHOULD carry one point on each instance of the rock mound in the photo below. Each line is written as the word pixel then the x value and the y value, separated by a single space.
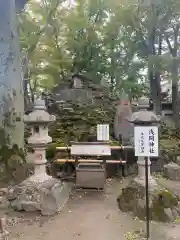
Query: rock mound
pixel 47 196
pixel 164 206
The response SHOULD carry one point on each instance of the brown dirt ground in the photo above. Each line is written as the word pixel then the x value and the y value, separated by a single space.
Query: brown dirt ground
pixel 88 215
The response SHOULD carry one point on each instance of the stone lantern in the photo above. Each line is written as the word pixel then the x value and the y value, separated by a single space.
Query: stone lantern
pixel 38 121
pixel 142 196
pixel 40 192
pixel 144 118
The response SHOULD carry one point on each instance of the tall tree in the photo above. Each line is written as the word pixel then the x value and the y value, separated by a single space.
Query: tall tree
pixel 35 25
pixel 171 31
pixel 12 98
pixel 94 37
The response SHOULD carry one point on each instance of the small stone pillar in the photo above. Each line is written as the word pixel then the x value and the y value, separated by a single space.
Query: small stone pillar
pixel 38 121
pixel 143 118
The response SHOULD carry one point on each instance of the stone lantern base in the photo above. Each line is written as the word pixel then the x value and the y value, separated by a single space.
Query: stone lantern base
pixel 164 206
pixel 37 194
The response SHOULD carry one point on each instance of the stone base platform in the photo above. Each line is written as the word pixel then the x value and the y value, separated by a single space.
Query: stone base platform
pixel 34 194
pixel 164 206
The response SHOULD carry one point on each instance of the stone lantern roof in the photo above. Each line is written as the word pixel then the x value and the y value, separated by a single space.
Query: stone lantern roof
pixel 39 114
pixel 143 116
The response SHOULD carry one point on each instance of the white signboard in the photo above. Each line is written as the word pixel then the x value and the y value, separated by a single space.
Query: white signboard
pixel 103 132
pixel 146 141
pixel 91 150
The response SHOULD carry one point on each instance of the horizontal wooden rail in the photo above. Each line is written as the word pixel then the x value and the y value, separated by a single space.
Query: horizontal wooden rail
pixel 112 148
pixel 63 148
pixel 90 161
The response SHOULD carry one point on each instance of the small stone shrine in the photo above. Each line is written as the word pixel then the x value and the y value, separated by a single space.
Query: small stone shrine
pixel 79 89
pixel 163 205
pixel 73 89
pixel 39 192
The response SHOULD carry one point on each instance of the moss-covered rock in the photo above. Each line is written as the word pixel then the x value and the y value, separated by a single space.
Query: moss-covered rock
pixel 162 202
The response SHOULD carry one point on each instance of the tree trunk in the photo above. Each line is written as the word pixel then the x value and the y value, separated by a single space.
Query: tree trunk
pixel 11 85
pixel 156 92
pixel 175 79
pixel 175 97
pixel 154 78
pixel 154 75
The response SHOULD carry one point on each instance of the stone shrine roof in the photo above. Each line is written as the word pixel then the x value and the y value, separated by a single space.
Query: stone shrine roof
pixel 85 92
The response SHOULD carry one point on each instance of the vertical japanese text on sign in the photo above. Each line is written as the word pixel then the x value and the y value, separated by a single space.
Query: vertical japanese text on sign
pixel 142 143
pixel 151 141
pixel 146 141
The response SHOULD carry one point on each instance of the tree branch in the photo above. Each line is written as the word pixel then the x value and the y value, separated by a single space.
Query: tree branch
pixel 176 31
pixel 160 44
pixel 173 49
pixel 139 31
pixel 169 44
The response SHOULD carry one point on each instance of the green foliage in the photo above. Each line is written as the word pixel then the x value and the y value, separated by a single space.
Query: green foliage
pixel 81 123
pixel 168 130
pixel 170 139
pixel 35 26
pixel 114 143
pixel 51 152
pixel 106 39
pixel 6 152
pixel 10 159
pixel 91 37
pixel 11 156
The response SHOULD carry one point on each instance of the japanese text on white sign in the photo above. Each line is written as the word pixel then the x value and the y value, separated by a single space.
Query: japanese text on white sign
pixel 146 141
pixel 102 132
